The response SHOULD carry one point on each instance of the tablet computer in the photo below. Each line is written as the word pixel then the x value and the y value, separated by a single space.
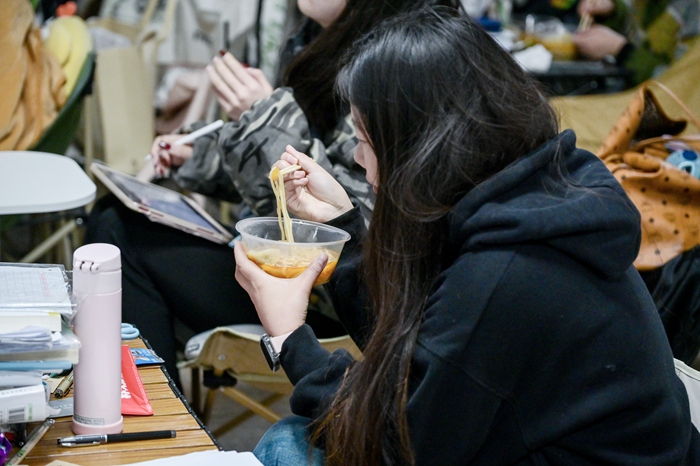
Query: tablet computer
pixel 161 204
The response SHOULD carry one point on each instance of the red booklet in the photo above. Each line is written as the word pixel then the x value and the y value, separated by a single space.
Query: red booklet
pixel 134 399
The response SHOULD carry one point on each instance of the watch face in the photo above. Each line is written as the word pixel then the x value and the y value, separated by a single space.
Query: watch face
pixel 272 358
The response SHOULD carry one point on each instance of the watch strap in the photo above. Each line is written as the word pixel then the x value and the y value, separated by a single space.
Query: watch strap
pixel 271 356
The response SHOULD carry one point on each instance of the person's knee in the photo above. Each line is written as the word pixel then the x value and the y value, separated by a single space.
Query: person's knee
pixel 286 443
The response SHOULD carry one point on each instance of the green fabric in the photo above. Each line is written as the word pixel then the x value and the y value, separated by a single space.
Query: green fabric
pixel 620 20
pixel 642 63
pixel 562 4
pixel 646 11
pixel 662 36
pixel 59 135
pixel 658 40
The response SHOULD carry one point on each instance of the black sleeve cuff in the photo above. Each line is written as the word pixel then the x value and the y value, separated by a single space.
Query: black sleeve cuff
pixel 302 354
pixel 351 221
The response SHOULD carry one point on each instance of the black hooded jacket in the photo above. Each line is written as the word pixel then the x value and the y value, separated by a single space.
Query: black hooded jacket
pixel 540 343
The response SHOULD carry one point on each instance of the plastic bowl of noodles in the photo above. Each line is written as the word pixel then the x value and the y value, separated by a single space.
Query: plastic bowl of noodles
pixel 261 239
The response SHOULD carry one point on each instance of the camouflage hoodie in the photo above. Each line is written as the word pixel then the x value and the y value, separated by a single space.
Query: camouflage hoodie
pixel 236 160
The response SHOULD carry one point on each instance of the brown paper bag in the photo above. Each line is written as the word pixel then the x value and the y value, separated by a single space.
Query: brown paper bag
pixel 125 80
pixel 124 106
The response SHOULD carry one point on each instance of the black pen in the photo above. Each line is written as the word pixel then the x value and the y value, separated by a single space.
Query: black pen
pixel 85 440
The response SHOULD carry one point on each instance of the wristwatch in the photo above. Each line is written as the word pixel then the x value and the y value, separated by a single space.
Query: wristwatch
pixel 271 355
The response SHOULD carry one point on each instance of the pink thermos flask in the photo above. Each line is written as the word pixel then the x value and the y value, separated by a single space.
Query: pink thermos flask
pixel 97 287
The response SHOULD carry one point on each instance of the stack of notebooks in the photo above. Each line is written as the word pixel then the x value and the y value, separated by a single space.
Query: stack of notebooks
pixel 35 339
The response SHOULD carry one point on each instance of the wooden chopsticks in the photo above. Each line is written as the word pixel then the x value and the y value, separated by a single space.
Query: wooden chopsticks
pixel 586 19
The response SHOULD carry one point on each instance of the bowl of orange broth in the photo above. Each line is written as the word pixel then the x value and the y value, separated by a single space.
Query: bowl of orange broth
pixel 262 241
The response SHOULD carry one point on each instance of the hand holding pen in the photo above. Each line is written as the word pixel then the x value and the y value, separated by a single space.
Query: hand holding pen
pixel 171 150
pixel 165 155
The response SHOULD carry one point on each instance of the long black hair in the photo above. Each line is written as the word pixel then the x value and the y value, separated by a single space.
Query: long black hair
pixel 444 108
pixel 311 74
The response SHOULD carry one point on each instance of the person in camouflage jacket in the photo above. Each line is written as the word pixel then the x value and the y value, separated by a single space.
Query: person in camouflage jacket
pixel 237 160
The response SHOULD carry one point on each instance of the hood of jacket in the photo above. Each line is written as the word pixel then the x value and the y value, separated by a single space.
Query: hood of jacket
pixel 580 210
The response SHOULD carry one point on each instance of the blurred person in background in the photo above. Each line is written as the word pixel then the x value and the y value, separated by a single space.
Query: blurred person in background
pixel 659 36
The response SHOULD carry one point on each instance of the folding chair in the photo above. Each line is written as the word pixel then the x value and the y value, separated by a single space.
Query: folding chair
pixel 691 379
pixel 227 355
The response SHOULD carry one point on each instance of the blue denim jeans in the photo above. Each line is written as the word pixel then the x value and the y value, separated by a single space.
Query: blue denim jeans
pixel 285 443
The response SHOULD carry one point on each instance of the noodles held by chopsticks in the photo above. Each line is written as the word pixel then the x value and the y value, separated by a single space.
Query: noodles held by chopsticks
pixel 277 182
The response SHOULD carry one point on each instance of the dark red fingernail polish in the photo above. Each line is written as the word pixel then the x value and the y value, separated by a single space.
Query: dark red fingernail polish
pixel 222 52
pixel 164 145
pixel 245 65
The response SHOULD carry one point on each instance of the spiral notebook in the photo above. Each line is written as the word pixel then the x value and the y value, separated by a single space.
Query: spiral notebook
pixel 162 205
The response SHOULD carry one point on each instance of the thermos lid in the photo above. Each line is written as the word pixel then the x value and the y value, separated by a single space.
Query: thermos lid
pixel 97 257
pixel 97 269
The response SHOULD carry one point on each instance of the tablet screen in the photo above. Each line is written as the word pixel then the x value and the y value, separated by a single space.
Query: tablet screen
pixel 160 199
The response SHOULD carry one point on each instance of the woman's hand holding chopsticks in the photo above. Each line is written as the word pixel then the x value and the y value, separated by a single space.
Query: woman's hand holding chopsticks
pixel 312 193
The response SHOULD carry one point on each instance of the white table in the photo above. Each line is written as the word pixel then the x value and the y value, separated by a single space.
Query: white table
pixel 36 182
